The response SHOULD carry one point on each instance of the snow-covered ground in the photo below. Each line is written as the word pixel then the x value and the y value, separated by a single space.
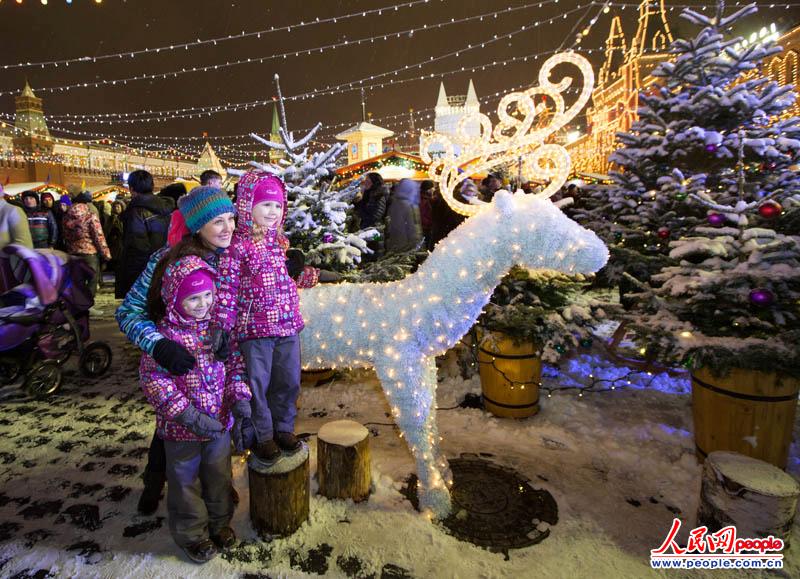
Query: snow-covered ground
pixel 619 464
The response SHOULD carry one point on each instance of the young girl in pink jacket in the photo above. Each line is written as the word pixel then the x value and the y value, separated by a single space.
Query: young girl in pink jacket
pixel 259 300
pixel 194 413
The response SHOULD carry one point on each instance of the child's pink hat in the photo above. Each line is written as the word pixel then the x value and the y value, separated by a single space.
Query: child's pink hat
pixel 196 282
pixel 269 188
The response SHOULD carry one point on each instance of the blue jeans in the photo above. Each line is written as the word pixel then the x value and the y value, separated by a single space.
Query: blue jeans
pixel 273 370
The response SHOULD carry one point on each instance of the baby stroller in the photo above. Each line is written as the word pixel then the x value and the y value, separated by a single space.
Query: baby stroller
pixel 44 317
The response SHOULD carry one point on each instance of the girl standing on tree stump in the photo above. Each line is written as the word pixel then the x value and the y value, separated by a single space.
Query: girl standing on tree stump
pixel 258 299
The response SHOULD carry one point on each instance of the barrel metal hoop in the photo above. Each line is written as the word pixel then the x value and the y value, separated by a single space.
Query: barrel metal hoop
pixel 752 397
pixel 534 403
pixel 508 356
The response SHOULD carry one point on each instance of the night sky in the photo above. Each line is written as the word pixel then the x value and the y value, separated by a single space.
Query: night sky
pixel 32 32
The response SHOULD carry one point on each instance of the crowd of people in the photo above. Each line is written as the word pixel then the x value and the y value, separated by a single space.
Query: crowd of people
pixel 414 213
pixel 102 234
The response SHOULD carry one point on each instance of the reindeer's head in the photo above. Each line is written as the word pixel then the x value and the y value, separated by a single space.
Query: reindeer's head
pixel 537 234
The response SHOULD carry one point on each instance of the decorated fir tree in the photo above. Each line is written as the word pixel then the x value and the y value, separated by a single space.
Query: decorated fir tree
pixel 318 218
pixel 684 142
pixel 552 310
pixel 731 298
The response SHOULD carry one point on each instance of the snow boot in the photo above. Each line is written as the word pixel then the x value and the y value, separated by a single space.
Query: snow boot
pixel 267 451
pixel 288 442
pixel 151 494
pixel 202 551
pixel 225 538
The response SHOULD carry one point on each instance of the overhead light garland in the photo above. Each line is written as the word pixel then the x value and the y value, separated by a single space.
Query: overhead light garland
pixel 213 41
pixel 410 32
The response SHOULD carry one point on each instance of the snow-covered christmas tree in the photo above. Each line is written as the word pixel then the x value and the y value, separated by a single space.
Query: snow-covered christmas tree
pixel 732 296
pixel 552 310
pixel 318 215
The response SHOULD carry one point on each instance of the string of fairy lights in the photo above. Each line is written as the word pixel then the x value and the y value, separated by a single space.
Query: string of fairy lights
pixel 372 81
pixel 408 33
pixel 414 117
pixel 391 9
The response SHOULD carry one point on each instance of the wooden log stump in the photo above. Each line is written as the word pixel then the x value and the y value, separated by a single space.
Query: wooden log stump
pixel 756 497
pixel 279 494
pixel 343 461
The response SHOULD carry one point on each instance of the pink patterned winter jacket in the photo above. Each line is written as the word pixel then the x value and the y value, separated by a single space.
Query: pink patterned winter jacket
pixel 204 387
pixel 258 298
pixel 83 233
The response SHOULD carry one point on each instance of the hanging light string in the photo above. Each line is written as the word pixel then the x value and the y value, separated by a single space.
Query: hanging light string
pixel 261 59
pixel 288 28
pixel 150 115
pixel 199 111
pixel 703 7
pixel 215 41
pixel 420 114
pixel 245 137
pixel 246 106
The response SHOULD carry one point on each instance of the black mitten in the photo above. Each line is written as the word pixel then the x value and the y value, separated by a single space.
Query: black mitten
pixel 173 357
pixel 295 261
pixel 220 343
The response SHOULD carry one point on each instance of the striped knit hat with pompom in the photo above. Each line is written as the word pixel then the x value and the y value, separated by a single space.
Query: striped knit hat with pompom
pixel 202 204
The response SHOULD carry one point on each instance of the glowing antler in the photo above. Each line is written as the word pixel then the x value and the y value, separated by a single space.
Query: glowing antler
pixel 512 137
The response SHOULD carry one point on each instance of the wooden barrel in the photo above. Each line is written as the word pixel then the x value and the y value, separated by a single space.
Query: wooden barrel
pixel 510 376
pixel 313 377
pixel 747 411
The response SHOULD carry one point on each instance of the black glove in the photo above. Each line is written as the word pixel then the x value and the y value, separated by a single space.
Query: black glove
pixel 220 343
pixel 243 430
pixel 201 424
pixel 295 261
pixel 173 357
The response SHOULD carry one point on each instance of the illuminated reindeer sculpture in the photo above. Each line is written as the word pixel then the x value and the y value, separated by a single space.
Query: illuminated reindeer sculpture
pixel 399 328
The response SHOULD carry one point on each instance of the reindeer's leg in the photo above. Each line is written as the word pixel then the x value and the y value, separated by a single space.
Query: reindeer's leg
pixel 412 401
pixel 431 382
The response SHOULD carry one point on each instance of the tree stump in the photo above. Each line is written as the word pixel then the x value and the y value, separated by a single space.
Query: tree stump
pixel 343 461
pixel 756 497
pixel 279 494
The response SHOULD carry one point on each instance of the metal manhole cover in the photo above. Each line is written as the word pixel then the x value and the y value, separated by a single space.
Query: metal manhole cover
pixel 494 506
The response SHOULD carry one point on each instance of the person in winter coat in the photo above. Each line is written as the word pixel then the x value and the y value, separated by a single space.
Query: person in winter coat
pixel 49 204
pixel 194 413
pixel 13 224
pixel 83 237
pixel 403 228
pixel 490 185
pixel 445 219
pixel 259 301
pixel 113 233
pixel 44 231
pixel 144 229
pixel 203 226
pixel 426 192
pixel 370 206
